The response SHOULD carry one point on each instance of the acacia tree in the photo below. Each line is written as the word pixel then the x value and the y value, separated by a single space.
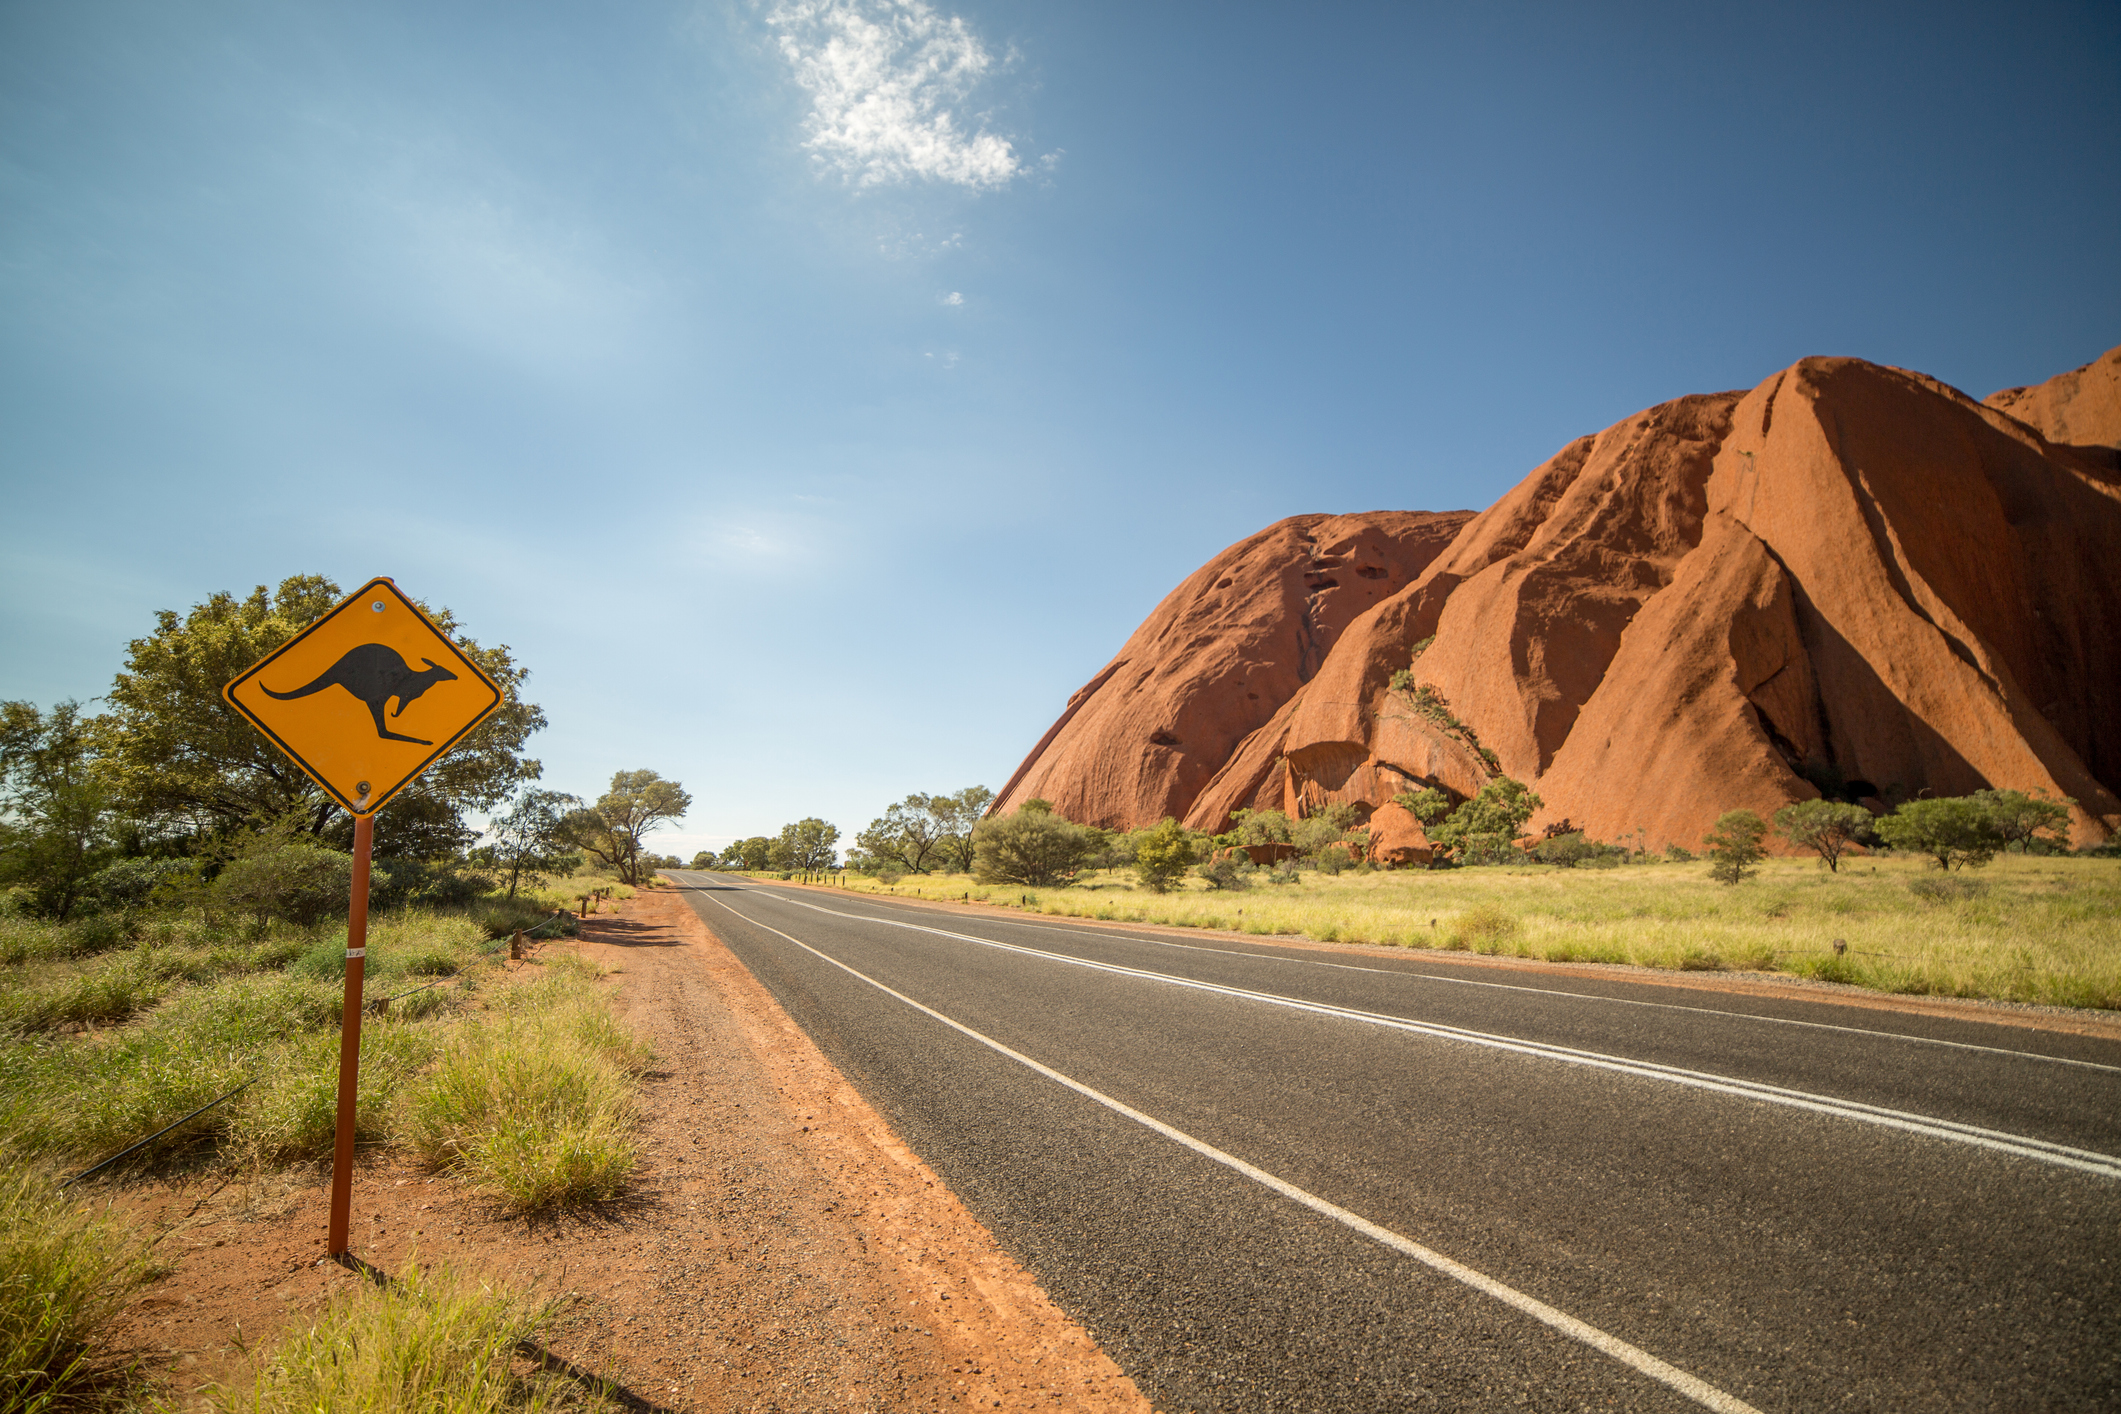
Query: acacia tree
pixel 2019 819
pixel 611 831
pixel 1734 845
pixel 528 841
pixel 1955 831
pixel 910 832
pixel 54 811
pixel 960 815
pixel 808 844
pixel 177 756
pixel 1826 826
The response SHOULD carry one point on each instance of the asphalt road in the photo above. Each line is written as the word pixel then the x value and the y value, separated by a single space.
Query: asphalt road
pixel 1267 1178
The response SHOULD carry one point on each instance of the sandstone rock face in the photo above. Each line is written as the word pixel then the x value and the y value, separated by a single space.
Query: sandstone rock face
pixel 1222 652
pixel 1397 838
pixel 1850 576
pixel 2080 408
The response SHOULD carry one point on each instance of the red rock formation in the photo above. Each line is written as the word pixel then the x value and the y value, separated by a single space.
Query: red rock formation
pixel 1397 838
pixel 1219 655
pixel 1850 572
pixel 2080 408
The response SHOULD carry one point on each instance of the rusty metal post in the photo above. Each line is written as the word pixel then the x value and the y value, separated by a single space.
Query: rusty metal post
pixel 350 1040
pixel 515 947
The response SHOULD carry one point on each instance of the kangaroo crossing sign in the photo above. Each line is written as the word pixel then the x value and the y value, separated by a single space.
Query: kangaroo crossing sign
pixel 367 697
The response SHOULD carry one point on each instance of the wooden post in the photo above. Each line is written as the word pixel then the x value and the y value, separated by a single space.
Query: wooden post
pixel 350 1040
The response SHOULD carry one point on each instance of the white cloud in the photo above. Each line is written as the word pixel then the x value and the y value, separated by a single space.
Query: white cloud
pixel 883 76
pixel 953 298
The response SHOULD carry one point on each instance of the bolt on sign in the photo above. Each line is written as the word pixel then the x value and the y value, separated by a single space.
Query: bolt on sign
pixel 367 697
pixel 364 700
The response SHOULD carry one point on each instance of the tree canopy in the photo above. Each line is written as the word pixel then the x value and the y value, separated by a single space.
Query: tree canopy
pixel 179 759
pixel 612 830
pixel 1827 827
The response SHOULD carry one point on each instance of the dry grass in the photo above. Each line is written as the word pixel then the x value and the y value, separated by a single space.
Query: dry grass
pixel 2044 930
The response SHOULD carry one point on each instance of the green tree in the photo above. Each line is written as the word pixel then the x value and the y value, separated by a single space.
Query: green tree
pixel 754 854
pixel 1734 845
pixel 1955 831
pixel 912 832
pixel 179 758
pixel 960 815
pixel 527 842
pixel 1031 846
pixel 1262 827
pixel 1485 829
pixel 1828 827
pixel 808 844
pixel 2022 820
pixel 1429 805
pixel 611 831
pixel 55 810
pixel 1161 854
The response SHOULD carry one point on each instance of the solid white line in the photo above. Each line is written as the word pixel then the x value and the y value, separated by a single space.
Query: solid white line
pixel 1698 1390
pixel 1114 934
pixel 2018 1145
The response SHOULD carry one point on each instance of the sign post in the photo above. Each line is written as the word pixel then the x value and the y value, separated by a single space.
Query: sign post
pixel 330 699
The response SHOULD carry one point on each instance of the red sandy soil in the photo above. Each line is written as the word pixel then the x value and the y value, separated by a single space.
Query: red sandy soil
pixel 781 1249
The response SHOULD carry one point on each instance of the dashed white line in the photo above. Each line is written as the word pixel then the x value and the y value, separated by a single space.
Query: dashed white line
pixel 1633 1356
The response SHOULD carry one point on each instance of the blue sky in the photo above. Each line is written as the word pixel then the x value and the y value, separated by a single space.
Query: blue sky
pixel 815 393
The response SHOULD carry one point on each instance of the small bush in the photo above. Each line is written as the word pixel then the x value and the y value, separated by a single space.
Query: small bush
pixel 1734 846
pixel 1948 889
pixel 292 880
pixel 65 1273
pixel 1679 854
pixel 430 1340
pixel 1483 930
pixel 1227 872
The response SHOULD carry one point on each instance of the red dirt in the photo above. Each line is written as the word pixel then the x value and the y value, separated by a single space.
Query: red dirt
pixel 781 1249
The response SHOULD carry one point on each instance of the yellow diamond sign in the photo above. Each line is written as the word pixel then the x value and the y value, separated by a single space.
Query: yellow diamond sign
pixel 367 697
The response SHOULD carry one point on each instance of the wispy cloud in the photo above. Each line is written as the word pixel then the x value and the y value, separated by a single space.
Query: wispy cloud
pixel 884 77
pixel 953 298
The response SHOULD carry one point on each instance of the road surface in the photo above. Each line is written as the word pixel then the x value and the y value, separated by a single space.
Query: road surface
pixel 1267 1178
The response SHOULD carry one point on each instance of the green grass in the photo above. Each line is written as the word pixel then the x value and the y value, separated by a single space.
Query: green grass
pixel 65 1272
pixel 429 1342
pixel 2035 929
pixel 200 1013
pixel 532 1101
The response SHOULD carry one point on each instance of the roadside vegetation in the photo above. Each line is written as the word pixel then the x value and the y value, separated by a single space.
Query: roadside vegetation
pixel 430 1340
pixel 1977 896
pixel 173 900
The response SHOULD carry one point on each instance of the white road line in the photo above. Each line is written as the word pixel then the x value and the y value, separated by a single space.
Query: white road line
pixel 1081 930
pixel 2017 1145
pixel 1636 1358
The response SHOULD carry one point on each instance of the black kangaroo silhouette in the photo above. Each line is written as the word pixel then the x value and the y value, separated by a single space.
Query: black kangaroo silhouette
pixel 375 673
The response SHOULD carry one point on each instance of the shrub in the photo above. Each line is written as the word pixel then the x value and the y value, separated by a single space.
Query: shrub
pixel 1429 805
pixel 65 1273
pixel 129 884
pixel 1161 854
pixel 292 880
pixel 1827 827
pixel 1734 846
pixel 1947 889
pixel 1230 871
pixel 1034 845
pixel 1484 830
pixel 1483 929
pixel 1954 831
pixel 1678 853
pixel 1570 850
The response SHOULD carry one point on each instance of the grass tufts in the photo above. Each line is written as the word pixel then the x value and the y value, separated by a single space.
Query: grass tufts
pixel 533 1102
pixel 429 1342
pixel 65 1272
